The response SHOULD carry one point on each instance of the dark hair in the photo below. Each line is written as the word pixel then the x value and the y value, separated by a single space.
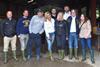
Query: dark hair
pixel 86 18
pixel 60 11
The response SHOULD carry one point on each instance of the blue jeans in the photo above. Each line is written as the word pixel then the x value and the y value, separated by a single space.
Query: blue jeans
pixel 37 42
pixel 86 42
pixel 50 41
pixel 73 40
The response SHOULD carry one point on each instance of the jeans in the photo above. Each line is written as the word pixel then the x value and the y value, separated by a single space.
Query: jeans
pixel 73 40
pixel 50 41
pixel 37 42
pixel 85 42
pixel 23 40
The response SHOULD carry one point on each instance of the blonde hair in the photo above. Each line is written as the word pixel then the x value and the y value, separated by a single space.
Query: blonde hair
pixel 46 15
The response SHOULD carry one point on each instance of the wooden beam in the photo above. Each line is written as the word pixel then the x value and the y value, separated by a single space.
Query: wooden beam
pixel 93 12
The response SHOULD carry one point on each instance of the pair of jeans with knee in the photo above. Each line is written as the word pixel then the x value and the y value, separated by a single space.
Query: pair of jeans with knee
pixel 73 40
pixel 87 42
pixel 36 38
pixel 50 41
pixel 23 41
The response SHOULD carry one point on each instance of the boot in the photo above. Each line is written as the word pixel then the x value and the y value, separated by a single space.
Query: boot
pixel 50 56
pixel 83 55
pixel 62 54
pixel 23 55
pixel 92 56
pixel 14 55
pixel 5 57
pixel 59 51
pixel 75 52
pixel 70 53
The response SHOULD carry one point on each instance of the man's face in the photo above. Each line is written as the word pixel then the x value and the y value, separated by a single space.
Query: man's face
pixel 73 13
pixel 9 14
pixel 53 11
pixel 25 13
pixel 40 14
pixel 66 8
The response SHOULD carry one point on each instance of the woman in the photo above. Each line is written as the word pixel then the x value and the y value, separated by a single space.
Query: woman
pixel 60 28
pixel 49 27
pixel 85 37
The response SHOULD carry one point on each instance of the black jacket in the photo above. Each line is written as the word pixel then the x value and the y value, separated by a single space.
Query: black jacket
pixel 61 27
pixel 9 28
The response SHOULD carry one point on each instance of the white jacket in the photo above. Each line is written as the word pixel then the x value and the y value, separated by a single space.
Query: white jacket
pixel 49 27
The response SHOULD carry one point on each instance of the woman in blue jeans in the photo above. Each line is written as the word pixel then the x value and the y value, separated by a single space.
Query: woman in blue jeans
pixel 85 37
pixel 49 27
pixel 60 28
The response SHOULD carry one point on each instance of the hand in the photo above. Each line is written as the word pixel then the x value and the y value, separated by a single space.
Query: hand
pixel 66 38
pixel 18 36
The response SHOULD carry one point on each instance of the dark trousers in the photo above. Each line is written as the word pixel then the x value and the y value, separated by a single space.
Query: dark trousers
pixel 61 41
pixel 37 42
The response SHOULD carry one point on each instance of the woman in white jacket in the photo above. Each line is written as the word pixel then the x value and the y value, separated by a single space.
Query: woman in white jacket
pixel 49 27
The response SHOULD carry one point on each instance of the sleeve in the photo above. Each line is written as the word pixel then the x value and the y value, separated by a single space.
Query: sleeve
pixel 30 25
pixel 42 30
pixel 55 27
pixel 89 27
pixel 2 27
pixel 46 30
pixel 18 27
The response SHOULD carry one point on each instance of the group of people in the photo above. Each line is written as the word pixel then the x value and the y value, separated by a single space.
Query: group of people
pixel 59 26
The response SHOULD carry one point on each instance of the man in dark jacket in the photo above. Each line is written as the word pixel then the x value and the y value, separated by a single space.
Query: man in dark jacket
pixel 73 29
pixel 9 33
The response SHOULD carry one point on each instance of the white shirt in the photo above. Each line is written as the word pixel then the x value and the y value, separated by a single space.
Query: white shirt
pixel 49 27
pixel 66 15
pixel 73 25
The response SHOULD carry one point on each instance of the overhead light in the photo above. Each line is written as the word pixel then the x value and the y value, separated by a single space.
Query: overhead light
pixel 30 1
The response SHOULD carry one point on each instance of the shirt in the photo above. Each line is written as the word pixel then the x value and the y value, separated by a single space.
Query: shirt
pixel 49 27
pixel 66 15
pixel 73 25
pixel 36 25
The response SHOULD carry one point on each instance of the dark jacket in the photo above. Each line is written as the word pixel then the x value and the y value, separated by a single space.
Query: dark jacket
pixel 69 21
pixel 61 27
pixel 23 26
pixel 9 28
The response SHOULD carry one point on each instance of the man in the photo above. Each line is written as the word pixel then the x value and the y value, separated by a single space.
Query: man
pixel 35 29
pixel 9 33
pixel 73 28
pixel 67 12
pixel 23 31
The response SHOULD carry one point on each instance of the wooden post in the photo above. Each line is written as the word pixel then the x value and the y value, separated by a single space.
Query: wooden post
pixel 93 12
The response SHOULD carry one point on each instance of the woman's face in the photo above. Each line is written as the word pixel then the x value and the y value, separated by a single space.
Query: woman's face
pixel 47 15
pixel 60 16
pixel 82 17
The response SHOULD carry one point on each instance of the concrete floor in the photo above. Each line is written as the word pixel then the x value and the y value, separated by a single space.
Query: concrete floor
pixel 45 62
pixel 42 63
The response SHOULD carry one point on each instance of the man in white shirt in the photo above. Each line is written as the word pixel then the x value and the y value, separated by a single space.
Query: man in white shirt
pixel 73 28
pixel 67 12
